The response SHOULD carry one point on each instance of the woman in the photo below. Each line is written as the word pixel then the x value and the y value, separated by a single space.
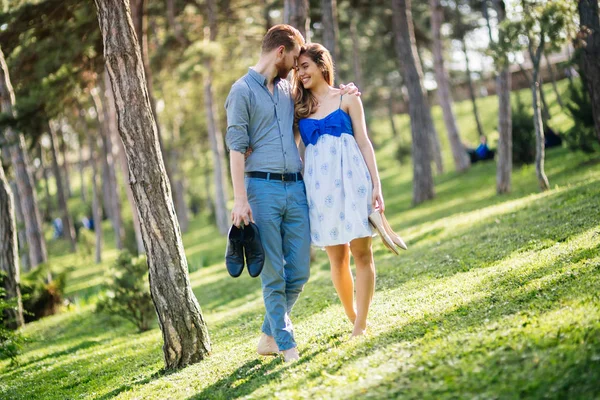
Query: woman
pixel 341 178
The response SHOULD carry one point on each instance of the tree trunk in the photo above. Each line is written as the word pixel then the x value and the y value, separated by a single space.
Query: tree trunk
pixel 267 7
pixel 538 124
pixel 183 328
pixel 413 77
pixel 20 162
pixel 503 83
pixel 67 221
pixel 214 133
pixel 391 114
pixel 295 13
pixel 545 112
pixel 461 159
pixel 81 166
pixel 21 234
pixel 65 166
pixel 434 138
pixel 590 59
pixel 174 25
pixel 9 254
pixel 110 190
pixel 553 79
pixel 47 197
pixel 330 27
pixel 472 89
pixel 96 209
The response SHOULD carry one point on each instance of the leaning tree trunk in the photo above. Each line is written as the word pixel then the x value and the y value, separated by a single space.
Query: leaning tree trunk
pixel 537 119
pixel 214 133
pixel 503 83
pixel 295 13
pixel 183 328
pixel 590 59
pixel 413 76
pixel 21 234
pixel 67 221
pixel 20 162
pixel 461 159
pixel 472 89
pixel 9 254
pixel 330 27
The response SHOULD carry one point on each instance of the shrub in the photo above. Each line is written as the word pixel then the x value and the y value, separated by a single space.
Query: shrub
pixel 582 135
pixel 523 149
pixel 127 293
pixel 10 340
pixel 403 152
pixel 130 241
pixel 42 296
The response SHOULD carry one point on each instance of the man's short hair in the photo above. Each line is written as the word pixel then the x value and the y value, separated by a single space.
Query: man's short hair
pixel 282 35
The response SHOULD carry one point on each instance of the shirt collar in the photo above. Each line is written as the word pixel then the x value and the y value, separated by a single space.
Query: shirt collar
pixel 260 78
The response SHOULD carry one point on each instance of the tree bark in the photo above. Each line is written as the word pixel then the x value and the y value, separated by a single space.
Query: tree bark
pixel 214 133
pixel 47 197
pixel 183 328
pixel 545 112
pixel 472 89
pixel 330 27
pixel 461 159
pixel 295 13
pixel 413 76
pixel 81 165
pixel 20 162
pixel 67 221
pixel 9 254
pixel 537 116
pixel 590 60
pixel 21 234
pixel 503 83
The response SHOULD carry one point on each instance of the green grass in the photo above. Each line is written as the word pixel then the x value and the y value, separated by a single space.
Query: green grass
pixel 497 297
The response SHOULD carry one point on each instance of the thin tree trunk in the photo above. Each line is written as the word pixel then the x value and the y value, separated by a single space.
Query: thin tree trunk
pixel 267 6
pixel 184 331
pixel 356 52
pixel 81 165
pixel 67 221
pixel 112 200
pixel 553 79
pixel 214 133
pixel 295 13
pixel 537 117
pixel 65 166
pixel 472 89
pixel 21 234
pixel 96 209
pixel 413 76
pixel 391 114
pixel 590 59
pixel 174 25
pixel 9 254
pixel 545 112
pixel 330 27
pixel 461 159
pixel 434 138
pixel 47 197
pixel 503 83
pixel 20 162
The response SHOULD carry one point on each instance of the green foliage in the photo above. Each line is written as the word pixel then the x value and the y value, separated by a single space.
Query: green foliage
pixel 130 241
pixel 403 152
pixel 127 292
pixel 523 142
pixel 43 296
pixel 582 135
pixel 10 340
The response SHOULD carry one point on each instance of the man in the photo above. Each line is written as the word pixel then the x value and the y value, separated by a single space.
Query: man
pixel 260 116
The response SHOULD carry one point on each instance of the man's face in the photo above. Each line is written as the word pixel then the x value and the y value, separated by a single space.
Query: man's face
pixel 288 61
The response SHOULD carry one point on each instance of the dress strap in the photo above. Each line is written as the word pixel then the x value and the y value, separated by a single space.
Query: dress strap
pixel 340 106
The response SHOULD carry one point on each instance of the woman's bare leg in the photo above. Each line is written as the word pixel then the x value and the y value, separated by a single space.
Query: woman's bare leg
pixel 365 281
pixel 341 276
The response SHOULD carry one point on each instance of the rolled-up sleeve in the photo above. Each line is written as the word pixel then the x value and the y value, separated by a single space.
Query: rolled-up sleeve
pixel 238 118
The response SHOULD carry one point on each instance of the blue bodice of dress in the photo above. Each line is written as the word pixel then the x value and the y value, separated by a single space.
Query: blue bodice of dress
pixel 334 124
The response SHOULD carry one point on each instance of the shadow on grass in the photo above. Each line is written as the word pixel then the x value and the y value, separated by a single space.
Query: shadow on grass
pixel 129 386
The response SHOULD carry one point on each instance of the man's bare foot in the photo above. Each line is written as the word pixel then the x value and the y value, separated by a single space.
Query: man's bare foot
pixel 267 346
pixel 291 354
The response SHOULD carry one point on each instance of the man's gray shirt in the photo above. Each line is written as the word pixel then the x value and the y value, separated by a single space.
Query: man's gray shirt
pixel 264 121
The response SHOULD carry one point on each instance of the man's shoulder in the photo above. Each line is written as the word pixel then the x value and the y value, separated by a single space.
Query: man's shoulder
pixel 241 86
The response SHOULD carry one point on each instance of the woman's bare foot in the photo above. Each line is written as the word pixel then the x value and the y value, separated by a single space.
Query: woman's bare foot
pixel 352 317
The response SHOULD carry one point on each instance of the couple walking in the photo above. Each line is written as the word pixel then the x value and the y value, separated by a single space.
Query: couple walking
pixel 328 205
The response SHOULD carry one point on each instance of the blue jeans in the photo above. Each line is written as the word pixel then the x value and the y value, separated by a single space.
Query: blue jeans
pixel 280 211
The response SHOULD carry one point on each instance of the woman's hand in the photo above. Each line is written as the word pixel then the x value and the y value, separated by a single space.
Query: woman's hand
pixel 378 203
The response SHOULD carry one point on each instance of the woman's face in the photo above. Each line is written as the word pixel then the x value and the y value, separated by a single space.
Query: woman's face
pixel 308 72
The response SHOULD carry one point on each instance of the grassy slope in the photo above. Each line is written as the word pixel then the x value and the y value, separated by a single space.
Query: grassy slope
pixel 497 297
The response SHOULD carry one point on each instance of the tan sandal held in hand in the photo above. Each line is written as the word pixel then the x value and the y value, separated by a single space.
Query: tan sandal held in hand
pixel 393 235
pixel 376 221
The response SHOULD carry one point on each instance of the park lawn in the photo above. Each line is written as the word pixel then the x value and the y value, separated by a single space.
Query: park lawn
pixel 497 297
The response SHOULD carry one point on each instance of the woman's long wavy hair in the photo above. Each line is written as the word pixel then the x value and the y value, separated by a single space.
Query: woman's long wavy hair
pixel 305 102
